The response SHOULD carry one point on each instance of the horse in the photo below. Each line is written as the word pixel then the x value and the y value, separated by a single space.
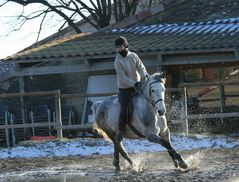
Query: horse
pixel 148 118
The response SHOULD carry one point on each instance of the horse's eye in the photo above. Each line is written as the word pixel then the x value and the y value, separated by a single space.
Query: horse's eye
pixel 152 90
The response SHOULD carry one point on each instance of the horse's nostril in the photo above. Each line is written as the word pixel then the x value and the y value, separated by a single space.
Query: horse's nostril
pixel 161 113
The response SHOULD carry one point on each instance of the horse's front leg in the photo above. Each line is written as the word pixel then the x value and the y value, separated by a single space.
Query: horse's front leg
pixel 177 159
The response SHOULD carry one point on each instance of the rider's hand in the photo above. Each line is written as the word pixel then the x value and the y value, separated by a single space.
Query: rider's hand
pixel 137 86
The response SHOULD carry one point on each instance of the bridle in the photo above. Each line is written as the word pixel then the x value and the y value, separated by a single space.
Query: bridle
pixel 148 99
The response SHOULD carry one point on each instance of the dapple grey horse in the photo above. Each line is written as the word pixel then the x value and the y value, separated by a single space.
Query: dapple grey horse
pixel 148 118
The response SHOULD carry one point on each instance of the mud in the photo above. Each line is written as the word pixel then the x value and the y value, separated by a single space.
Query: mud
pixel 205 165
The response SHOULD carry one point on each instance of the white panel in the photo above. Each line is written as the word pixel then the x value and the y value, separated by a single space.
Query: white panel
pixel 101 84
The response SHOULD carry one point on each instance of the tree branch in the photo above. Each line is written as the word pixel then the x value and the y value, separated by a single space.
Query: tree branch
pixel 40 28
pixel 63 15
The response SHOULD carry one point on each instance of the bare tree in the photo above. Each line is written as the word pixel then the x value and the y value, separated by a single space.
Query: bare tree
pixel 98 13
pixel 144 4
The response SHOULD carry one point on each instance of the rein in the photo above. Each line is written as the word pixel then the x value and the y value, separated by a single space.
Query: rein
pixel 149 100
pixel 152 103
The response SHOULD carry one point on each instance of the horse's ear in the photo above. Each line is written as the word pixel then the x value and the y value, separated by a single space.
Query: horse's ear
pixel 163 74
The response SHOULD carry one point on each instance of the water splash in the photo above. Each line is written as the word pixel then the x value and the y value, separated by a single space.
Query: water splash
pixel 194 161
pixel 139 163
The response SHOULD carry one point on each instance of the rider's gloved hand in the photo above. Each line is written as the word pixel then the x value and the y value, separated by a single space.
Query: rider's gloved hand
pixel 137 86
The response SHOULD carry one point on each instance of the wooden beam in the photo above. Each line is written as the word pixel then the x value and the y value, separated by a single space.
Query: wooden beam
pixel 216 83
pixel 214 115
pixel 181 59
pixel 205 116
pixel 45 70
pixel 87 63
pixel 83 127
pixel 64 69
pixel 80 127
pixel 42 93
pixel 22 91
pixel 27 125
pixel 236 52
pixel 185 124
pixel 58 115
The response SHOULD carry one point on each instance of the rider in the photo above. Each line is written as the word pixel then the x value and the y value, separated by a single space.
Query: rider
pixel 130 71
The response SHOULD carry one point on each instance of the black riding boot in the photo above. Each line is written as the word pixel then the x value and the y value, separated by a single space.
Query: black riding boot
pixel 124 98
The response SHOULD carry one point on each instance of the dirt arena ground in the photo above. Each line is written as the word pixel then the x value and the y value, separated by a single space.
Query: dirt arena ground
pixel 206 165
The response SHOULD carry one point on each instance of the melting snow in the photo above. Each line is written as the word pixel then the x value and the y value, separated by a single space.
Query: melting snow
pixel 89 146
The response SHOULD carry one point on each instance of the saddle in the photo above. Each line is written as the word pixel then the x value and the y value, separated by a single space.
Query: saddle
pixel 129 113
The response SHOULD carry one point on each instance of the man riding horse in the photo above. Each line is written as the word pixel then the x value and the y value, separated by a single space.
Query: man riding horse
pixel 130 70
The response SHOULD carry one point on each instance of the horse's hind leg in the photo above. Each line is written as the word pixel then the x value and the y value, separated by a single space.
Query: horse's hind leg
pixel 116 158
pixel 124 153
pixel 118 148
pixel 177 159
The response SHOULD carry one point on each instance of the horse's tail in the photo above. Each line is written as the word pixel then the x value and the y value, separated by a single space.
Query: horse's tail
pixel 96 125
pixel 95 106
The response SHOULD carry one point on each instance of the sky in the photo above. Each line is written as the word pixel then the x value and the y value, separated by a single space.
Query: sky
pixel 18 40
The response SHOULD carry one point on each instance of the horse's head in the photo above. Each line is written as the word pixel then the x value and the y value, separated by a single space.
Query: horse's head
pixel 156 92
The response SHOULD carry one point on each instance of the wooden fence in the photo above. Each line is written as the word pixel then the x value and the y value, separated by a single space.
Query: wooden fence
pixel 58 124
pixel 88 127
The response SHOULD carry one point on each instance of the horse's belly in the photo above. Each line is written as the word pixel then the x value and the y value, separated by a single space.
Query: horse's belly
pixel 130 134
pixel 113 116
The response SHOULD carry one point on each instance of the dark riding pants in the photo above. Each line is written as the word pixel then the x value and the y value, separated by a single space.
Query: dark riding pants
pixel 124 98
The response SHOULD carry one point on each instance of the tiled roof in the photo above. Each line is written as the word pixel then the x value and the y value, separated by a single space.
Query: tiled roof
pixel 209 35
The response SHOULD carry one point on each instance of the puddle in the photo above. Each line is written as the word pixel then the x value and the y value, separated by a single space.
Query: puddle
pixel 66 178
pixel 49 177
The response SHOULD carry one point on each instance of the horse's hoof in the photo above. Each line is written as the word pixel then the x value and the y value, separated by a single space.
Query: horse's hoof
pixel 180 164
pixel 181 170
pixel 176 164
pixel 117 169
pixel 183 164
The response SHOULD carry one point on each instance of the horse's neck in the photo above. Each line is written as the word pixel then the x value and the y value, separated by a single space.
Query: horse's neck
pixel 147 106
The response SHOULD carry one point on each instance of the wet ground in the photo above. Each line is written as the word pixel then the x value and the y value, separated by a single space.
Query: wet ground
pixel 206 165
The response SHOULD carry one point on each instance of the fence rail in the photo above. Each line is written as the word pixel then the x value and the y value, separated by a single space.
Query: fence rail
pixel 58 126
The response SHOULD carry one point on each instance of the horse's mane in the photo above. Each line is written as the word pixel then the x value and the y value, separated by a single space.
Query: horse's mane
pixel 159 77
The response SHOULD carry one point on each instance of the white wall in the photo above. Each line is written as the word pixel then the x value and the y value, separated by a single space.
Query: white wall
pixel 101 84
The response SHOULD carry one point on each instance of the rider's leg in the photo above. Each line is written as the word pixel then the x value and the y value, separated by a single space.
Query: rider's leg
pixel 124 97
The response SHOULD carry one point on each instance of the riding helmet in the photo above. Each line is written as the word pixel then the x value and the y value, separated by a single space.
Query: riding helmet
pixel 121 41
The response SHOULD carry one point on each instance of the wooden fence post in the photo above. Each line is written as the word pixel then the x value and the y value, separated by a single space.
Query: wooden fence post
pixel 6 130
pixel 58 114
pixel 185 126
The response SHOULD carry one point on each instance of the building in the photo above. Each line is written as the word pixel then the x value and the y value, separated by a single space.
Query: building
pixel 188 52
